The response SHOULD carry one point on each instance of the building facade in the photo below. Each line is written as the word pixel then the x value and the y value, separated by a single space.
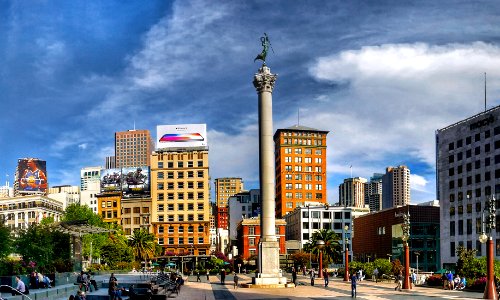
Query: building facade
pixel 225 188
pixel 136 214
pixel 468 174
pixel 396 187
pixel 180 200
pixel 304 221
pixel 22 211
pixel 133 148
pixel 373 192
pixel 244 205
pixel 249 237
pixel 378 235
pixel 66 194
pixel 352 192
pixel 300 167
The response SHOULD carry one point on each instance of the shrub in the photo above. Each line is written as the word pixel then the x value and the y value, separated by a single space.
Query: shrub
pixel 479 284
pixel 435 280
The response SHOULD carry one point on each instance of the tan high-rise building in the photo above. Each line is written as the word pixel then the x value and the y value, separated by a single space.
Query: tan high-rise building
pixel 133 148
pixel 300 167
pixel 352 192
pixel 180 193
pixel 396 187
pixel 225 188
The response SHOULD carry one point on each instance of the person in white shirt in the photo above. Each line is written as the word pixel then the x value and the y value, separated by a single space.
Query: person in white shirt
pixel 20 288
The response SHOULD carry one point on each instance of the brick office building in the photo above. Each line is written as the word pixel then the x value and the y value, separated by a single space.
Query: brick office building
pixel 378 235
pixel 249 237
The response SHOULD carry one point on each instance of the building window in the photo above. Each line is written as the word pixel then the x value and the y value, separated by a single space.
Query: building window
pixel 452 228
pixel 452 249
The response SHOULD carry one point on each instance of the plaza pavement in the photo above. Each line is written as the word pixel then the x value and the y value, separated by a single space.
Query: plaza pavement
pixel 338 289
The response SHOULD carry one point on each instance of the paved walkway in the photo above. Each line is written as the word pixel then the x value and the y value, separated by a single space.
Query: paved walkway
pixel 337 289
pixel 213 290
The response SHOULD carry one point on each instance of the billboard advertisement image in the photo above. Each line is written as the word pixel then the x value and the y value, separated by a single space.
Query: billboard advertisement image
pixel 181 136
pixel 135 181
pixel 111 180
pixel 32 175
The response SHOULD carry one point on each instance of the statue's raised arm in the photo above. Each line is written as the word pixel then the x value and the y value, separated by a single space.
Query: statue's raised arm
pixel 265 48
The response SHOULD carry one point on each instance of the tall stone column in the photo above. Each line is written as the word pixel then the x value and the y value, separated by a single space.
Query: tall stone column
pixel 269 268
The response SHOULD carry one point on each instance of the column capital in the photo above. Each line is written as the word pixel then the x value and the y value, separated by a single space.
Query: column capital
pixel 263 81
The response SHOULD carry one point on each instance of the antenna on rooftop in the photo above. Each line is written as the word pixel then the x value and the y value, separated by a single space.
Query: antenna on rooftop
pixel 484 91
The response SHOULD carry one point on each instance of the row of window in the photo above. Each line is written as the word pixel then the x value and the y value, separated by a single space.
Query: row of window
pixel 308 177
pixel 477 193
pixel 317 169
pixel 307 160
pixel 180 241
pixel 180 174
pixel 305 142
pixel 327 214
pixel 453 248
pixel 299 195
pixel 468 167
pixel 181 196
pixel 190 207
pixel 468 154
pixel 180 229
pixel 180 185
pixel 468 140
pixel 300 133
pixel 305 151
pixel 180 218
pixel 136 210
pixel 300 186
pixel 181 164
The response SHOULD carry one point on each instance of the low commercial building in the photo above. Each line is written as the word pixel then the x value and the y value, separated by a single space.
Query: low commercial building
pixel 378 235
pixel 19 212
pixel 249 237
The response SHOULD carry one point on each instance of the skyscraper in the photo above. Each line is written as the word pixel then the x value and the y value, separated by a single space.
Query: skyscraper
pixel 352 192
pixel 300 167
pixel 373 192
pixel 133 148
pixel 468 174
pixel 396 187
pixel 180 190
pixel 225 188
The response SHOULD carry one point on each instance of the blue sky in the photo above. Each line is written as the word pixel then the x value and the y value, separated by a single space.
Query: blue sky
pixel 381 76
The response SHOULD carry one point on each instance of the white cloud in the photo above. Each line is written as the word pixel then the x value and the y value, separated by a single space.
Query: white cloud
pixel 418 182
pixel 83 146
pixel 392 98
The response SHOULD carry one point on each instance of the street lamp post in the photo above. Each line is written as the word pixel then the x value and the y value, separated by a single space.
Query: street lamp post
pixel 320 244
pixel 309 229
pixel 346 244
pixel 490 289
pixel 406 236
pixel 417 253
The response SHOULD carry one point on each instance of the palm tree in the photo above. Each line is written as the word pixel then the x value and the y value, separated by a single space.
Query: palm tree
pixel 332 251
pixel 143 244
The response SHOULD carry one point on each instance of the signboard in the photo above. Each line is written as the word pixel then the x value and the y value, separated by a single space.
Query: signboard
pixel 135 181
pixel 111 180
pixel 181 136
pixel 32 176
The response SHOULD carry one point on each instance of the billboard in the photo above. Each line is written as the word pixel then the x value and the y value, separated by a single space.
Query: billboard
pixel 111 180
pixel 32 176
pixel 132 181
pixel 135 181
pixel 181 136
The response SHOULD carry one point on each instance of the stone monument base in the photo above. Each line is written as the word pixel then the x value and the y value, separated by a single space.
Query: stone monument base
pixel 262 279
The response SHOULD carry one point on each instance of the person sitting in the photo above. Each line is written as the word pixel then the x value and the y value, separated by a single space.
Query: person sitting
pixel 82 280
pixel 91 282
pixel 462 284
pixel 456 282
pixel 46 281
pixel 20 288
pixel 80 295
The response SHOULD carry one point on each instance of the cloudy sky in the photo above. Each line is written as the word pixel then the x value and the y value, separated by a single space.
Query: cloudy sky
pixel 381 76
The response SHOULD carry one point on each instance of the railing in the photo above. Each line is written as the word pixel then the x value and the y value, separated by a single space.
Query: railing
pixel 13 289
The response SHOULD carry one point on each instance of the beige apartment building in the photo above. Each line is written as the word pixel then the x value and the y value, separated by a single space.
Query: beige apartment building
pixel 180 200
pixel 20 212
pixel 352 192
pixel 136 214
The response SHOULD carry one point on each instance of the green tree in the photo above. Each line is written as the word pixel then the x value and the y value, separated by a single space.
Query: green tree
pixel 300 258
pixel 116 249
pixel 467 264
pixel 7 241
pixel 332 250
pixel 143 245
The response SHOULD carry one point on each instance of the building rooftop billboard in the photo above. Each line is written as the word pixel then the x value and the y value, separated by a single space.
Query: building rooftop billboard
pixel 32 176
pixel 181 136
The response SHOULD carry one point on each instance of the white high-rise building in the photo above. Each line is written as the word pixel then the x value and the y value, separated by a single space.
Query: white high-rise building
pixel 66 194
pixel 90 184
pixel 352 192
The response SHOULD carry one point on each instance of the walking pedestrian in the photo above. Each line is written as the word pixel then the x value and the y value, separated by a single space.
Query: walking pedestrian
pixel 354 280
pixel 313 273
pixel 208 275
pixel 222 276
pixel 399 280
pixel 236 278
pixel 198 279
pixel 294 276
pixel 375 275
pixel 325 277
